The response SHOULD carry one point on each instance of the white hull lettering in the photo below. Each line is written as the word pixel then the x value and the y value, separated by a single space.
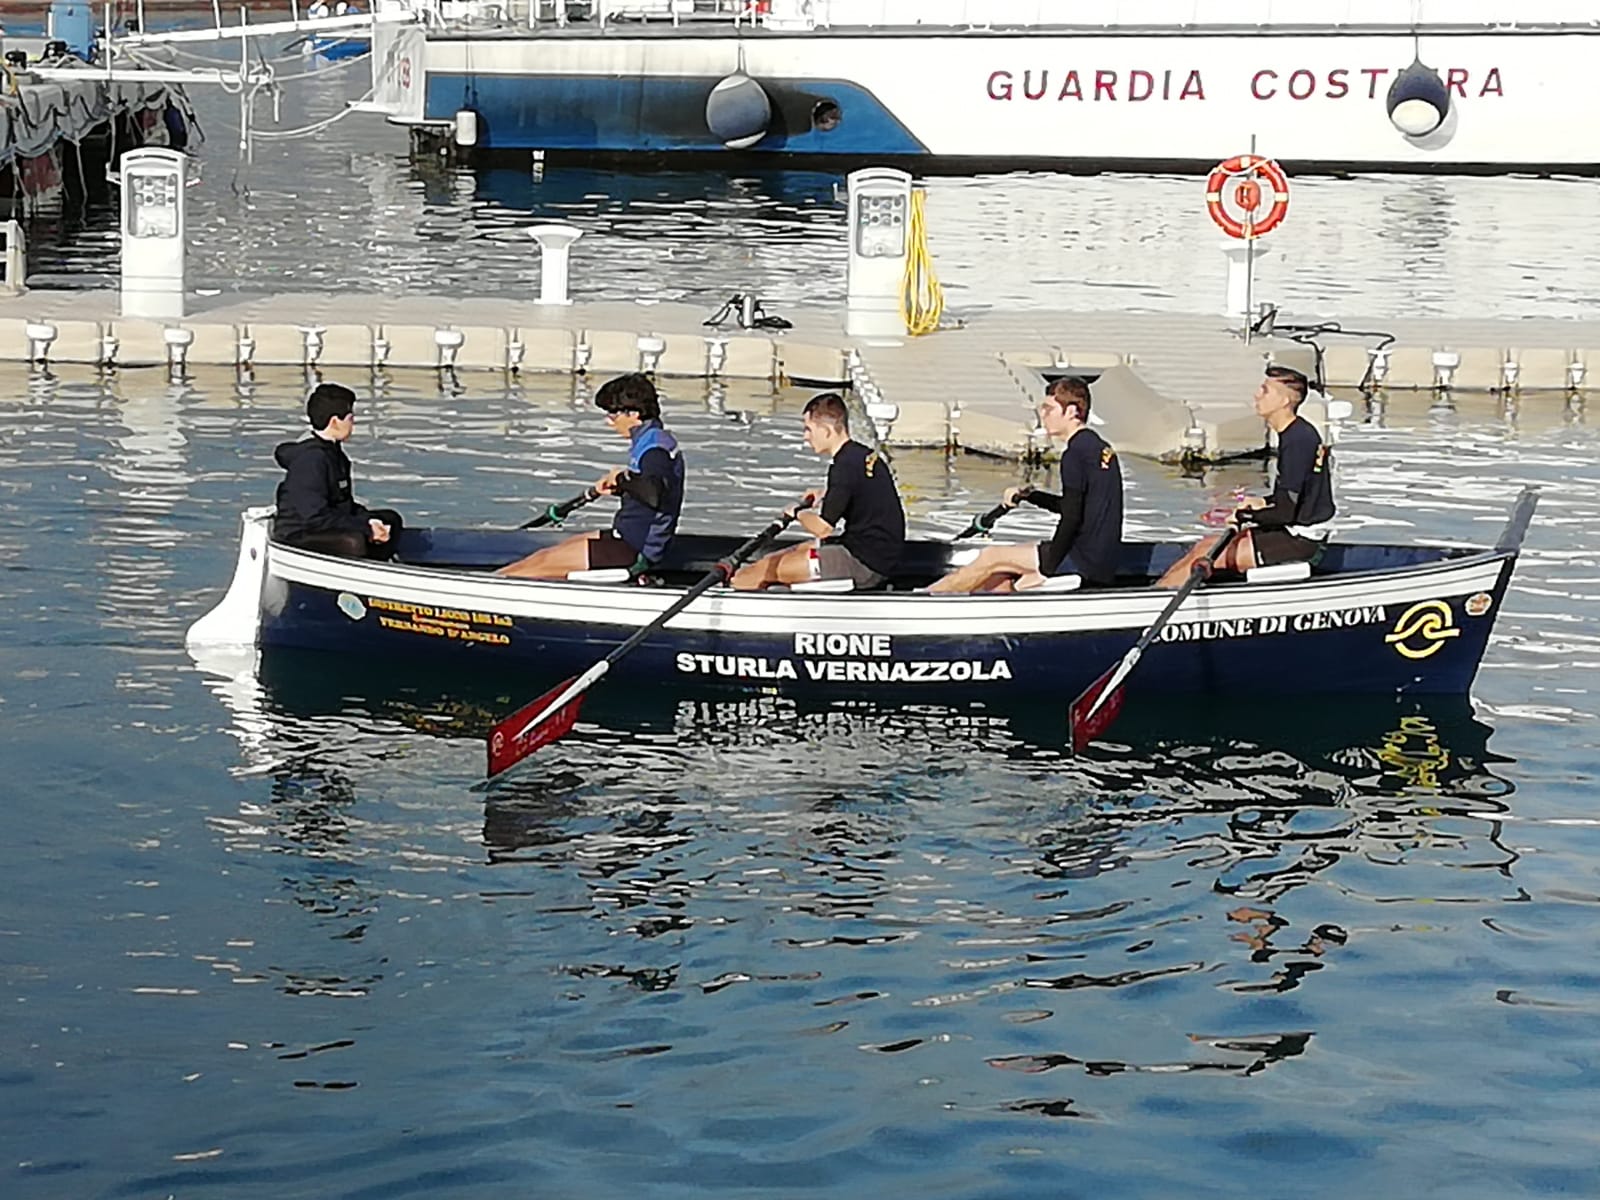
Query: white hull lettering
pixel 844 645
pixel 735 666
pixel 834 670
pixel 1244 627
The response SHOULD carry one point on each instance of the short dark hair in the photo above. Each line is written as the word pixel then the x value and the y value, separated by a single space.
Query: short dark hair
pixel 326 401
pixel 1291 379
pixel 630 393
pixel 1070 391
pixel 828 408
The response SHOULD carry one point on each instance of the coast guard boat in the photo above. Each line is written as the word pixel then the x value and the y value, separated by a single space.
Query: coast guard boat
pixel 1418 85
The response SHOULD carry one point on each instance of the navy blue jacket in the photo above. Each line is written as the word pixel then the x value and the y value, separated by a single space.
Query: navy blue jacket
pixel 315 495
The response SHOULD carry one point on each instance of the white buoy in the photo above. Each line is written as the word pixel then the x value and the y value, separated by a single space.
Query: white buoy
pixel 466 128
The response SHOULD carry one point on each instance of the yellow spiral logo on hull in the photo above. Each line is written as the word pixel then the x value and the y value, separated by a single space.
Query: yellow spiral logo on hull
pixel 1422 629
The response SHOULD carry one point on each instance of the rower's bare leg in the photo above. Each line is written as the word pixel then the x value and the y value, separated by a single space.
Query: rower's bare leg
pixel 1011 561
pixel 1240 556
pixel 553 562
pixel 782 566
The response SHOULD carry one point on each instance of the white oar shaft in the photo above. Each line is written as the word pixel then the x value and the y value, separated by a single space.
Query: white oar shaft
pixel 1129 661
pixel 581 684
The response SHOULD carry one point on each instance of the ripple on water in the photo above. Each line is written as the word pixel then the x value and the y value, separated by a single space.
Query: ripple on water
pixel 734 943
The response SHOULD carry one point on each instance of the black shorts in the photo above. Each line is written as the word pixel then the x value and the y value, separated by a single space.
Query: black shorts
pixel 1274 547
pixel 608 551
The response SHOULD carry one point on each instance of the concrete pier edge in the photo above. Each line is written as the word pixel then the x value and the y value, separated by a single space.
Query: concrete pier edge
pixel 1167 386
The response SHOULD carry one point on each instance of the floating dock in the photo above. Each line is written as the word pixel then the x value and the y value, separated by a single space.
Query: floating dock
pixel 1166 386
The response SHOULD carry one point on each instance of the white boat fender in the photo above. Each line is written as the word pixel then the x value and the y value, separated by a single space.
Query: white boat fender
pixel 466 128
pixel 738 111
pixel 1418 101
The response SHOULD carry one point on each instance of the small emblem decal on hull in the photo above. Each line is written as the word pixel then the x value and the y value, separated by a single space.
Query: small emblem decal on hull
pixel 350 605
pixel 1422 629
pixel 1478 604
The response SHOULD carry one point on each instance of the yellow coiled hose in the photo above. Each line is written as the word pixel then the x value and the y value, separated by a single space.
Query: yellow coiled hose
pixel 921 297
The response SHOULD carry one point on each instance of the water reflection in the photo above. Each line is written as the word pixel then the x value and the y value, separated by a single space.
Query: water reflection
pixel 1211 852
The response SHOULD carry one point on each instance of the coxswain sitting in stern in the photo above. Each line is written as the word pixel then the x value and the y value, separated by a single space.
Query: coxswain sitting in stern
pixel 316 508
pixel 1290 525
pixel 1088 536
pixel 651 487
pixel 861 494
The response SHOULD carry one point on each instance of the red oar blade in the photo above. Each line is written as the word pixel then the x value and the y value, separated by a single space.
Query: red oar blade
pixel 509 744
pixel 1085 721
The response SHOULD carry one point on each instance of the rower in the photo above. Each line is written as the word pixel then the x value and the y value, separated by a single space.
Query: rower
pixel 651 487
pixel 316 508
pixel 1088 536
pixel 1292 524
pixel 861 494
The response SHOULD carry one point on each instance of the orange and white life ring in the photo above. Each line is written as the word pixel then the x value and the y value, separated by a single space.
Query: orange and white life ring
pixel 1251 171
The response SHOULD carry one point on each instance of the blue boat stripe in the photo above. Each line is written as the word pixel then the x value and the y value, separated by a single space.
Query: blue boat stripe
pixel 659 113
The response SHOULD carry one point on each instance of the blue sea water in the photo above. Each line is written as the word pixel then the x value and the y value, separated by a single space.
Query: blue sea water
pixel 262 934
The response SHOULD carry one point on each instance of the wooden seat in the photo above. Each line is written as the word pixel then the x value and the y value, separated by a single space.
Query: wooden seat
pixel 1281 573
pixel 1057 583
pixel 600 575
pixel 824 585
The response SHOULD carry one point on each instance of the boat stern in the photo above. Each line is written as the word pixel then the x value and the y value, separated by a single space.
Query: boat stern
pixel 236 620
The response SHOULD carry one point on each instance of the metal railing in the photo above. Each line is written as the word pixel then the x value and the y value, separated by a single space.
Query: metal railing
pixel 1113 14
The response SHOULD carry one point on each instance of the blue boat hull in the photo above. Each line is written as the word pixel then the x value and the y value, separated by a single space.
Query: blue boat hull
pixel 1353 660
pixel 1420 627
pixel 666 115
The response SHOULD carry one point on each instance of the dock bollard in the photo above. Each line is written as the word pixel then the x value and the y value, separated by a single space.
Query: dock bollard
pixel 40 334
pixel 1445 363
pixel 178 341
pixel 883 414
pixel 650 348
pixel 448 342
pixel 555 245
pixel 716 355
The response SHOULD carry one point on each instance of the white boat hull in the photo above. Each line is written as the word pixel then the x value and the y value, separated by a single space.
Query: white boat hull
pixel 1088 96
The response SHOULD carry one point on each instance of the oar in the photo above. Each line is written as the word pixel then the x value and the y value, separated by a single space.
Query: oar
pixel 1097 705
pixel 553 714
pixel 556 513
pixel 984 523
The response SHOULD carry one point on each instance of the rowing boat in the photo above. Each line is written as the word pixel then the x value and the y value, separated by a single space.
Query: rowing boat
pixel 1371 618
